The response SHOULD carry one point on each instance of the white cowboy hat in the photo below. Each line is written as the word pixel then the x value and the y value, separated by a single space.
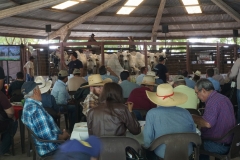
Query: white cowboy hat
pixel 96 80
pixel 197 73
pixel 165 96
pixel 148 80
pixel 45 86
pixel 151 73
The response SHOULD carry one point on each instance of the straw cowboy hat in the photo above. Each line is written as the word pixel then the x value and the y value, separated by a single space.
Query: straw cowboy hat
pixel 166 97
pixel 96 80
pixel 197 73
pixel 148 80
pixel 45 86
pixel 151 73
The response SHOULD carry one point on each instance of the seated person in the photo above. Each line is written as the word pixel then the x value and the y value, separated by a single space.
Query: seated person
pixel 88 149
pixel 209 76
pixel 179 84
pixel 190 83
pixel 48 101
pixel 157 79
pixel 139 78
pixel 111 117
pixel 6 118
pixel 166 118
pixel 217 120
pixel 62 97
pixel 39 121
pixel 138 96
pixel 103 72
pixel 14 90
pixel 126 85
pixel 95 84
pixel 196 76
pixel 75 82
pixel 89 72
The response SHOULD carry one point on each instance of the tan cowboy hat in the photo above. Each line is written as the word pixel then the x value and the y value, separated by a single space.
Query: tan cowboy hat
pixel 96 80
pixel 148 80
pixel 45 86
pixel 197 73
pixel 151 73
pixel 165 96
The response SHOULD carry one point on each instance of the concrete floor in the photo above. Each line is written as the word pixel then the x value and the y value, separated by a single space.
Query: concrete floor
pixel 20 156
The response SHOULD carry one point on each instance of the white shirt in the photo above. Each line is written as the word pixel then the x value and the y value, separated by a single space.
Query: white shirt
pixel 29 65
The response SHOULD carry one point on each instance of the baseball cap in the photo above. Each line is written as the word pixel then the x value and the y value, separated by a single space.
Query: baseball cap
pixel 31 57
pixel 28 87
pixel 75 150
pixel 161 58
pixel 76 71
pixel 63 73
pixel 178 78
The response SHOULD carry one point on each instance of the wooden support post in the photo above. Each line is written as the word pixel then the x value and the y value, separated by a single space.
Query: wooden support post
pixel 188 59
pixel 102 53
pixel 145 53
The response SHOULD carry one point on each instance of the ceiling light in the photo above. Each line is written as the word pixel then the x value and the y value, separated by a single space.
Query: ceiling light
pixel 190 2
pixel 65 4
pixel 133 2
pixel 194 9
pixel 125 10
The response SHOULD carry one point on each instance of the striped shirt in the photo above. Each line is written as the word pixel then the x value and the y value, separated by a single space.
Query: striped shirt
pixel 42 124
pixel 219 114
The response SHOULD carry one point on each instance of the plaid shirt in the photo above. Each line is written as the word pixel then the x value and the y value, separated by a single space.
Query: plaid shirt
pixel 90 99
pixel 42 124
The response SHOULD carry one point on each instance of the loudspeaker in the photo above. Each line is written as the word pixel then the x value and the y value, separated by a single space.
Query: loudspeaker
pixel 48 28
pixel 235 33
pixel 164 28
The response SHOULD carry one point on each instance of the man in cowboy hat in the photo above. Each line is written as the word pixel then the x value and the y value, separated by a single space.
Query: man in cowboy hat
pixel 60 93
pixel 96 84
pixel 39 121
pixel 75 82
pixel 166 118
pixel 48 100
pixel 217 120
pixel 138 96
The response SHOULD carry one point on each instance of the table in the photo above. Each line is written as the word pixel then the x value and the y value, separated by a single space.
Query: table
pixel 80 132
pixel 18 114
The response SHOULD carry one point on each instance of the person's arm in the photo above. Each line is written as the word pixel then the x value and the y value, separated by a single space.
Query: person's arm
pixel 200 121
pixel 64 136
pixel 111 72
pixel 10 112
pixel 1 84
pixel 54 104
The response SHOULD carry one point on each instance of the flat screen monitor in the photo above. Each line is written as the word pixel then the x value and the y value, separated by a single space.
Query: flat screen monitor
pixel 10 53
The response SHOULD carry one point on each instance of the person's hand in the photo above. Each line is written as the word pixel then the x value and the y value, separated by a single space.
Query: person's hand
pixel 65 135
pixel 130 106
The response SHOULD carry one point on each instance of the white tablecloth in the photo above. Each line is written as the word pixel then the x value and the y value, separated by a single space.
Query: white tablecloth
pixel 80 132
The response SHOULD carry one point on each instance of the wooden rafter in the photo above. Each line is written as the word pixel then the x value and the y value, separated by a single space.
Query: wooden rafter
pixel 83 18
pixel 27 7
pixel 235 15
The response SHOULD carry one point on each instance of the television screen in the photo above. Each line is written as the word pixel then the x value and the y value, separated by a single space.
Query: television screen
pixel 10 53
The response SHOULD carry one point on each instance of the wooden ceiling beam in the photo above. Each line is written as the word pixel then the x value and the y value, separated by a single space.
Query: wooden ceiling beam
pixel 83 18
pixel 157 20
pixel 27 7
pixel 231 12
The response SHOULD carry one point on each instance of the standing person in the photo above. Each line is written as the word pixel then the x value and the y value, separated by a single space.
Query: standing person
pixel 74 64
pixel 217 120
pixel 235 72
pixel 29 69
pixel 161 69
pixel 2 82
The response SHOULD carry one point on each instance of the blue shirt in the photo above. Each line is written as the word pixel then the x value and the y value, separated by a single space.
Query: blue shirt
pixel 42 124
pixel 190 83
pixel 60 92
pixel 166 120
pixel 215 83
pixel 139 79
pixel 128 87
pixel 49 101
pixel 114 78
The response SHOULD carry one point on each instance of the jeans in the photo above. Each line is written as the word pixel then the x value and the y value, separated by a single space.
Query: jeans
pixel 28 78
pixel 72 115
pixel 213 147
pixel 238 101
pixel 6 138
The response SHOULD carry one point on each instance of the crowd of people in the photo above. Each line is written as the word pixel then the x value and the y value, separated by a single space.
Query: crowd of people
pixel 112 105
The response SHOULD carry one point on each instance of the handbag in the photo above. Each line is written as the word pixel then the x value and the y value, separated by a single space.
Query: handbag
pixel 131 154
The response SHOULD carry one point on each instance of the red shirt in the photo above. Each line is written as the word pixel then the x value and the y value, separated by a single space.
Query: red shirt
pixel 140 100
pixel 4 104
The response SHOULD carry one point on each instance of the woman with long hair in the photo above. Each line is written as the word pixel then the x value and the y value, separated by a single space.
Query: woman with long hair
pixel 112 117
